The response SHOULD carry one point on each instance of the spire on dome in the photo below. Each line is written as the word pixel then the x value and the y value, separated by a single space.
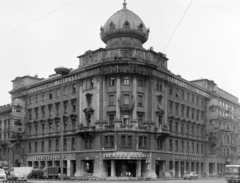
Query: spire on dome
pixel 124 4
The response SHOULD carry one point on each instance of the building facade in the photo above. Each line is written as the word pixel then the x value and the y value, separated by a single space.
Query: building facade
pixel 122 112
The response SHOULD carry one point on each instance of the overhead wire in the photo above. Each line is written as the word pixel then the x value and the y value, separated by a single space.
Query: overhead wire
pixel 37 19
pixel 177 26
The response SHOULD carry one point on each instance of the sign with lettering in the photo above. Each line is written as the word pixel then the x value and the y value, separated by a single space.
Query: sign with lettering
pixel 49 157
pixel 119 155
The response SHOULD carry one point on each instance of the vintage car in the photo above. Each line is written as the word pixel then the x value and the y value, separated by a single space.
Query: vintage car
pixel 191 175
pixel 16 176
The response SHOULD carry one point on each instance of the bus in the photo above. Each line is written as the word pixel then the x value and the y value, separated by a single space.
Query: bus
pixel 232 173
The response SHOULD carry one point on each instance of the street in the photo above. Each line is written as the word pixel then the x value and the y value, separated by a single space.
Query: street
pixel 205 180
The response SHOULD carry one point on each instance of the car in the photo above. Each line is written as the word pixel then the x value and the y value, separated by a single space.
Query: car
pixel 191 175
pixel 3 175
pixel 16 176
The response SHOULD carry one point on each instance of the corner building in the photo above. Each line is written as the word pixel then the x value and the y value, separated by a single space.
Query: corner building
pixel 122 109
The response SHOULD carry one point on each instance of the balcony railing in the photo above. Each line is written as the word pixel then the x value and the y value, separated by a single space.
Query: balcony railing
pixel 126 126
pixel 87 128
pixel 142 127
pixel 4 142
pixel 109 127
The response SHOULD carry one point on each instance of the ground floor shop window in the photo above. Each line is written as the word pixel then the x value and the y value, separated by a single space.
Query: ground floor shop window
pixel 88 166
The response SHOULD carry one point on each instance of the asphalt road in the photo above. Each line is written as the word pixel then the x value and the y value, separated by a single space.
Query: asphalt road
pixel 203 180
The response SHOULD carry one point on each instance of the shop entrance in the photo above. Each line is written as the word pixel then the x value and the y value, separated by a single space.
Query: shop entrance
pixel 88 167
pixel 160 168
pixel 125 168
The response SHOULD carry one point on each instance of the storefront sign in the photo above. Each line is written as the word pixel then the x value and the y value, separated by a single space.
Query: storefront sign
pixel 186 159
pixel 49 157
pixel 125 156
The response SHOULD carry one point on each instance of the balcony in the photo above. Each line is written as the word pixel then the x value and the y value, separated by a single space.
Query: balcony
pixel 86 128
pixel 162 131
pixel 126 126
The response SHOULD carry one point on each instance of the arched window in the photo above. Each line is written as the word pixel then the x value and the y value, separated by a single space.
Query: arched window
pixel 111 26
pixel 126 24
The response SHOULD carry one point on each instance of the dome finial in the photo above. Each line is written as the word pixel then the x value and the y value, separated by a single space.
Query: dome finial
pixel 124 4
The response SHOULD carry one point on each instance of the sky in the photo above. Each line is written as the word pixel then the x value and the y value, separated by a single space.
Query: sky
pixel 37 36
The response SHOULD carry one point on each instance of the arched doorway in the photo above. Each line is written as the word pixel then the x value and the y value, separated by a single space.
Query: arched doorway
pixel 17 163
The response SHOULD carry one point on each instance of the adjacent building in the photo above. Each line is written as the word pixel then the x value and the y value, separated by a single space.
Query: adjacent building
pixel 122 111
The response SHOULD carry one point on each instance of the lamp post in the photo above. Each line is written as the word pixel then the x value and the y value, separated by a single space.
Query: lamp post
pixel 61 71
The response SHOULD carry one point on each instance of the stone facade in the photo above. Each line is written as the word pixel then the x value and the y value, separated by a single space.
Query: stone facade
pixel 122 112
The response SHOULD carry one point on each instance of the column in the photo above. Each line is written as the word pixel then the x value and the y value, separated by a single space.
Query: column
pixel 80 102
pixel 189 166
pixel 68 168
pixel 165 108
pixel 138 168
pixel 79 170
pixel 118 94
pixel 179 168
pixel 134 92
pixel 185 167
pixel 113 168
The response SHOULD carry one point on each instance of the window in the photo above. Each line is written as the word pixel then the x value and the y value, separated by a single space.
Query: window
pixel 126 141
pixel 192 147
pixel 58 92
pixel 193 111
pixel 36 97
pixel 140 100
pixel 159 85
pixel 29 147
pixel 35 147
pixel 57 108
pixel 36 128
pixel 182 110
pixel 50 94
pixel 126 81
pixel 65 124
pixel 29 130
pixel 65 105
pixel 43 111
pixel 182 146
pixel 42 147
pixel 170 106
pixel 126 99
pixel 30 114
pixel 109 141
pixel 187 146
pixel 88 143
pixel 126 119
pixel 112 81
pixel 64 144
pixel 36 113
pixel 140 120
pixel 111 119
pixel 50 127
pixel 176 94
pixel 43 96
pixel 202 148
pixel 192 98
pixel 188 110
pixel 170 145
pixel 187 96
pixel 30 99
pixel 140 82
pixel 57 126
pixel 74 105
pixel 176 124
pixel 197 115
pixel 160 143
pixel 197 148
pixel 73 123
pixel 43 128
pixel 170 90
pixel 111 100
pixel 57 144
pixel 65 90
pixel 159 120
pixel 91 83
pixel 74 88
pixel 88 119
pixel 182 94
pixel 176 146
pixel 73 144
pixel 182 127
pixel 176 108
pixel 197 100
pixel 142 141
pixel 49 145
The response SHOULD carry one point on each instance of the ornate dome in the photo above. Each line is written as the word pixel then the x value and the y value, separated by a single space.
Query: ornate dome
pixel 123 25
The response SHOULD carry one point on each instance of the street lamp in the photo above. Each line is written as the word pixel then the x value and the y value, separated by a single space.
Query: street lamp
pixel 61 71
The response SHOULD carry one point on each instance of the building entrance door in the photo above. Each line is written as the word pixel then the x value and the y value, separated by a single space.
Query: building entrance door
pixel 126 168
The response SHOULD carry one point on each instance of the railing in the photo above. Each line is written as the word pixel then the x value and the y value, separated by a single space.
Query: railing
pixel 126 126
pixel 163 129
pixel 142 127
pixel 87 128
pixel 109 127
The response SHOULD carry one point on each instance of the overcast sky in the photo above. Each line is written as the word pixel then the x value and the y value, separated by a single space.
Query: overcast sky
pixel 38 35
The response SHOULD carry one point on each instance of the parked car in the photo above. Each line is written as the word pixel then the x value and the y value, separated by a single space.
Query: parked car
pixel 2 175
pixel 191 175
pixel 16 176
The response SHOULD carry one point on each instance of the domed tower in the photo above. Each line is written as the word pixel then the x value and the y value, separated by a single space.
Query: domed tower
pixel 124 29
